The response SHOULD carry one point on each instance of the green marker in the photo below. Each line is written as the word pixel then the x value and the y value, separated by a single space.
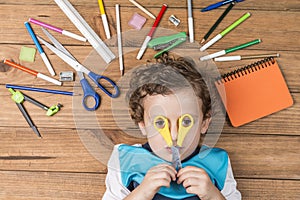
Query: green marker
pixel 232 49
pixel 224 32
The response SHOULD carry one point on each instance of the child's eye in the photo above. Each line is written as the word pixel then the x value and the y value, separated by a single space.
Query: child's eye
pixel 160 123
pixel 186 121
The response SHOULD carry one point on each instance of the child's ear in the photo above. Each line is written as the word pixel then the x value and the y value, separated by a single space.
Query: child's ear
pixel 142 128
pixel 205 125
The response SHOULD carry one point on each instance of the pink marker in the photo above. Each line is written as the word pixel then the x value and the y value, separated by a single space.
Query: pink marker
pixel 59 30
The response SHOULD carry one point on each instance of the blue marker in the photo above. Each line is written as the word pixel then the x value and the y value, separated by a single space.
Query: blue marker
pixel 216 5
pixel 40 49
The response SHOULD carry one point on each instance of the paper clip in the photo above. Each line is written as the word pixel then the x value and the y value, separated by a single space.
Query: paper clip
pixel 166 43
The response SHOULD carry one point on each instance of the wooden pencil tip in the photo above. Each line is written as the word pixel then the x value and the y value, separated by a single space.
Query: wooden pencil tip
pixel 203 40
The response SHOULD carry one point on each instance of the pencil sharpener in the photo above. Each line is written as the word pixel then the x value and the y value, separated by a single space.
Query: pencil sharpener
pixel 66 76
pixel 174 20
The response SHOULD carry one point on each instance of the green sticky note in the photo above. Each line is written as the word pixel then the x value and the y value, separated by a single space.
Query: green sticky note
pixel 27 54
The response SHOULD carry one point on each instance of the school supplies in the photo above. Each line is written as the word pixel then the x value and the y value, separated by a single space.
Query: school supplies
pixel 166 43
pixel 174 20
pixel 233 58
pixel 66 76
pixel 86 30
pixel 40 49
pixel 190 21
pixel 225 31
pixel 229 50
pixel 150 34
pixel 27 54
pixel 216 5
pixel 104 19
pixel 34 89
pixel 32 72
pixel 219 20
pixel 161 124
pixel 58 30
pixel 137 21
pixel 253 91
pixel 142 8
pixel 19 98
pixel 119 36
pixel 88 91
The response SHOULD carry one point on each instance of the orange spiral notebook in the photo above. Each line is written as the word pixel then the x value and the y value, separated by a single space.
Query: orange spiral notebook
pixel 253 91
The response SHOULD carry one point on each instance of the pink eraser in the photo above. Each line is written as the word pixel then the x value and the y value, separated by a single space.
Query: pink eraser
pixel 137 21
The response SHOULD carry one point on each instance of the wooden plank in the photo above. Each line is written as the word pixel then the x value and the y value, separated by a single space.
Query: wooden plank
pixel 269 189
pixel 65 118
pixel 49 185
pixel 68 118
pixel 258 22
pixel 65 150
pixel 197 4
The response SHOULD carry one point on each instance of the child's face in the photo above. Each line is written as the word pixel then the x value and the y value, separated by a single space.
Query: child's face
pixel 172 107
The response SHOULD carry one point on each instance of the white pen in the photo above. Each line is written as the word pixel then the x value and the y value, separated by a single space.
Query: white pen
pixel 190 21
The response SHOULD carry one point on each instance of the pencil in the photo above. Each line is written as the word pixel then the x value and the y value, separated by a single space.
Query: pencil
pixel 217 22
pixel 142 8
pixel 149 36
pixel 225 31
pixel 119 39
pixel 229 50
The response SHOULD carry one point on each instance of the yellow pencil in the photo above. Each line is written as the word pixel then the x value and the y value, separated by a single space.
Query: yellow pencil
pixel 104 19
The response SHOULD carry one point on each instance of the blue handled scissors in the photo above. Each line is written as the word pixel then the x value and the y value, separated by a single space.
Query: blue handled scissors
pixel 88 90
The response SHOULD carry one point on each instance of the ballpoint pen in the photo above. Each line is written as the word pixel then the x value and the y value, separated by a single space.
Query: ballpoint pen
pixel 229 50
pixel 150 34
pixel 104 19
pixel 40 49
pixel 221 3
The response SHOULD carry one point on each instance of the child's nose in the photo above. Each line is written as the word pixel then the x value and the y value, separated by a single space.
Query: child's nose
pixel 174 132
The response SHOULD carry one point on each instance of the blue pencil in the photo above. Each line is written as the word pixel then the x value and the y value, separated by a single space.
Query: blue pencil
pixel 39 89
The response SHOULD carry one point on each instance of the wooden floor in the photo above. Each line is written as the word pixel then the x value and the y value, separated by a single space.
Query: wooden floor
pixel 64 164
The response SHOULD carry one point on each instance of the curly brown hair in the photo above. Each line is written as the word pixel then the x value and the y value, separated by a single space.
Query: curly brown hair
pixel 162 77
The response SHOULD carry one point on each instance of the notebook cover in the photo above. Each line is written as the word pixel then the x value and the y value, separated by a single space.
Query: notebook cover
pixel 253 92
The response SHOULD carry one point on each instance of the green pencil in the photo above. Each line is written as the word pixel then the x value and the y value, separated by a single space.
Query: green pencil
pixel 229 50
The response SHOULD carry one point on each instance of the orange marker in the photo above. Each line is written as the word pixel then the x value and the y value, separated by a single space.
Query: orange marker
pixel 32 72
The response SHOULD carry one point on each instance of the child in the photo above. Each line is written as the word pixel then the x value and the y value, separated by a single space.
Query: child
pixel 170 89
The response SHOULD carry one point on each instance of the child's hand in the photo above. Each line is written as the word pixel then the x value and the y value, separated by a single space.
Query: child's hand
pixel 196 181
pixel 156 177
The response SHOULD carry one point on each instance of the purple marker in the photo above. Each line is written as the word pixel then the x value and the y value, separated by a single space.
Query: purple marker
pixel 59 30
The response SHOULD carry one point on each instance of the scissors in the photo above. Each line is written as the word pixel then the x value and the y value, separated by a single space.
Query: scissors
pixel 88 90
pixel 185 123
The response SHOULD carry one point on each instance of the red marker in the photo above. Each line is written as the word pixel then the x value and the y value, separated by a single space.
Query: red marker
pixel 149 36
pixel 32 72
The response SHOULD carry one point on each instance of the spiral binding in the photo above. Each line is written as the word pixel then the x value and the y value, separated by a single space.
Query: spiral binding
pixel 243 71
